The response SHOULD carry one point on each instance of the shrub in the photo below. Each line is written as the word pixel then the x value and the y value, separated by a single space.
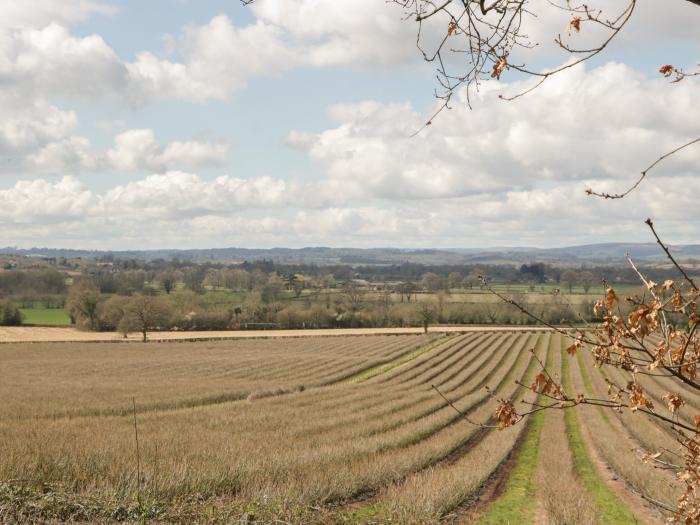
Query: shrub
pixel 9 313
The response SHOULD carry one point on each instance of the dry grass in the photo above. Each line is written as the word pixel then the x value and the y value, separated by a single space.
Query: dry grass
pixel 556 470
pixel 225 425
pixel 323 444
pixel 68 378
pixel 617 445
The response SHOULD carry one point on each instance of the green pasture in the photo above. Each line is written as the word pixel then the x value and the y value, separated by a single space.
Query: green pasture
pixel 47 316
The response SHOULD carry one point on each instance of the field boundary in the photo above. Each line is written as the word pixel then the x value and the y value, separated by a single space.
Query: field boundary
pixel 10 335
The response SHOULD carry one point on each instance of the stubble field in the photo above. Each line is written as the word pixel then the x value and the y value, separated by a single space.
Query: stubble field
pixel 344 429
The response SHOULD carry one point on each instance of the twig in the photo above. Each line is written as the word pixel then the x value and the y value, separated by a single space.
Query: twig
pixel 466 418
pixel 668 254
pixel 634 186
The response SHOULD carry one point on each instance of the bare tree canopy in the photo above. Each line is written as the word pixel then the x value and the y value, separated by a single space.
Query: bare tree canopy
pixel 481 40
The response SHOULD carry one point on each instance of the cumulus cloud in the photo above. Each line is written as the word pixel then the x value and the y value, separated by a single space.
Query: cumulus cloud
pixel 39 13
pixel 137 149
pixel 51 61
pixel 218 60
pixel 343 32
pixel 37 137
pixel 604 123
pixel 177 193
pixel 182 209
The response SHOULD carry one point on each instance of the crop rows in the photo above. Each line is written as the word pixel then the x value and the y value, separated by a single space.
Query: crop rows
pixel 371 436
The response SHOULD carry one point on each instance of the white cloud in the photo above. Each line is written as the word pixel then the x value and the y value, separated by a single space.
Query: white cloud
pixel 607 122
pixel 36 136
pixel 40 201
pixel 176 193
pixel 26 125
pixel 344 32
pixel 218 60
pixel 180 209
pixel 68 154
pixel 50 62
pixel 39 13
pixel 137 149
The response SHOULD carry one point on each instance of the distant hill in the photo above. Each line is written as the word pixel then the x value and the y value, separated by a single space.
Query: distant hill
pixel 607 253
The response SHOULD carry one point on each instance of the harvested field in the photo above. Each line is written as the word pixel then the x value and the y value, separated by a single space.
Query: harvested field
pixel 345 429
pixel 43 334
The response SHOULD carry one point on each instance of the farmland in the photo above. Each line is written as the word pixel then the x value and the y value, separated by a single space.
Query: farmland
pixel 343 429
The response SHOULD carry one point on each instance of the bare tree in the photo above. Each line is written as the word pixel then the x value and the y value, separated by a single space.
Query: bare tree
pixel 569 278
pixel 426 314
pixel 481 39
pixel 586 279
pixel 143 313
pixel 83 304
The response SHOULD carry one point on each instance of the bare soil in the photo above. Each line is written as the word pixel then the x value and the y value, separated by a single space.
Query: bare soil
pixel 32 334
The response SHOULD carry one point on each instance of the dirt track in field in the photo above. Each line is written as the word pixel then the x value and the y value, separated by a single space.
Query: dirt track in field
pixel 33 334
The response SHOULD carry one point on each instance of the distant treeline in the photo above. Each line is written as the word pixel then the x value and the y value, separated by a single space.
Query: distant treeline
pixel 500 273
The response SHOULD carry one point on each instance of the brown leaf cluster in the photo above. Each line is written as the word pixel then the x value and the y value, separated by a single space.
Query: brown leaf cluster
pixel 499 67
pixel 506 415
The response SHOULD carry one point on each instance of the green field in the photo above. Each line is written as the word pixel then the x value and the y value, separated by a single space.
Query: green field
pixel 48 316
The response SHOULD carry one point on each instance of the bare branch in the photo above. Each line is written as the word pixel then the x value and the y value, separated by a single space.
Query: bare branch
pixel 643 175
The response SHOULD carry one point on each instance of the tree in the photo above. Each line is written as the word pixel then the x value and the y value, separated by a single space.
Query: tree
pixel 10 315
pixel 432 282
pixel 426 314
pixel 272 289
pixel 454 280
pixel 142 313
pixel 587 279
pixel 570 278
pixel 83 303
pixel 114 314
pixel 406 289
pixel 193 278
pixel 354 295
pixel 167 281
pixel 471 42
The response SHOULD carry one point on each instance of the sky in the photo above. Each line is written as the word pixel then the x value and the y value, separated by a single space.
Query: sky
pixel 287 123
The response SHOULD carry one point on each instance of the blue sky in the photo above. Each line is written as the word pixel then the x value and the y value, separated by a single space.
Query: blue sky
pixel 182 123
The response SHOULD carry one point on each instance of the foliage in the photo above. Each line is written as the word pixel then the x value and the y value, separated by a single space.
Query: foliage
pixel 83 304
pixel 142 313
pixel 10 315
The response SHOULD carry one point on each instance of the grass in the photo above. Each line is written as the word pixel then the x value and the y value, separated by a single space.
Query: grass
pixel 517 505
pixel 45 316
pixel 518 502
pixel 209 455
pixel 609 507
pixel 401 360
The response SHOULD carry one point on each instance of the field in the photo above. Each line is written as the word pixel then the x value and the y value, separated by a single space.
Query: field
pixel 343 429
pixel 45 316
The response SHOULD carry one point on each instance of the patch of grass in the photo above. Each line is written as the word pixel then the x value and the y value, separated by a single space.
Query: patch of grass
pixel 517 505
pixel 518 502
pixel 401 360
pixel 369 512
pixel 609 508
pixel 47 316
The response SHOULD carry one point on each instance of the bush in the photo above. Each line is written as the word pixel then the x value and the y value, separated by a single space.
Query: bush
pixel 201 319
pixel 9 313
